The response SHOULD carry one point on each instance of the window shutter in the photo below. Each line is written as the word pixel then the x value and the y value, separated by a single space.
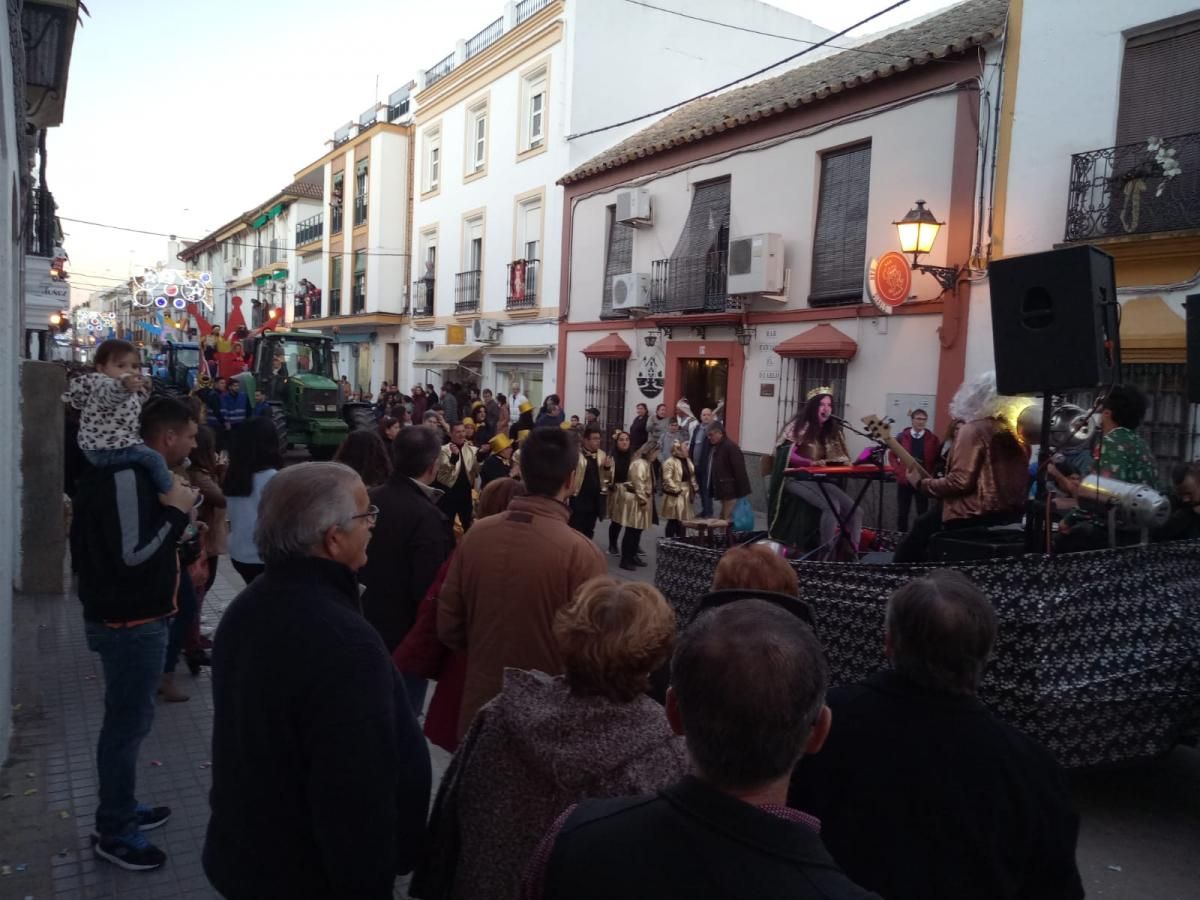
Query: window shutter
pixel 840 239
pixel 1160 84
pixel 705 231
pixel 618 259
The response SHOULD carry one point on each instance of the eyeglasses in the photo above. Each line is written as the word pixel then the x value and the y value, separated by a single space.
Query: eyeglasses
pixel 371 515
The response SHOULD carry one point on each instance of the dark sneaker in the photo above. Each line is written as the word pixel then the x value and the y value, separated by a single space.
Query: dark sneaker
pixel 132 852
pixel 151 817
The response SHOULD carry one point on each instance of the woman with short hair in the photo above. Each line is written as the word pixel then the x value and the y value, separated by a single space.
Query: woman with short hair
pixel 545 743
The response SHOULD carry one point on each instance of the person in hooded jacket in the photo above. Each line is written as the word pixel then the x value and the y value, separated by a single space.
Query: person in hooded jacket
pixel 545 743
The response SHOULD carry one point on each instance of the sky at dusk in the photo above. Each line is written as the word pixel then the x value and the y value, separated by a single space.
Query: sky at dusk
pixel 181 115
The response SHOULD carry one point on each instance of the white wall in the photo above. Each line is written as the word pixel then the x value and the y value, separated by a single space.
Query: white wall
pixel 628 60
pixel 775 190
pixel 387 218
pixel 11 256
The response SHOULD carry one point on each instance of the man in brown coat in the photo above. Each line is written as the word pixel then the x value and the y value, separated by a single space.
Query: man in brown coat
pixel 727 469
pixel 512 573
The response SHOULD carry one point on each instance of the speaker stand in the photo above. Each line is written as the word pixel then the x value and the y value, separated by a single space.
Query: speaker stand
pixel 1039 519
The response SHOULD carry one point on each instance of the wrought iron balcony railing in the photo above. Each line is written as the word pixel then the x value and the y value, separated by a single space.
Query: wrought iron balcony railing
pixel 360 209
pixel 310 229
pixel 439 70
pixel 422 297
pixel 485 38
pixel 43 234
pixel 1135 189
pixel 527 8
pixel 523 283
pixel 335 301
pixel 358 300
pixel 689 284
pixel 466 292
pixel 335 220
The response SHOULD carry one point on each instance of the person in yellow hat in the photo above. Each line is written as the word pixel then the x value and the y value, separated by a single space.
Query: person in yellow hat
pixel 469 428
pixel 524 421
pixel 499 462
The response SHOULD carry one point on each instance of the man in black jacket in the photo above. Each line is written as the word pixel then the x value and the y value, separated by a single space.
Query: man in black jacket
pixel 320 773
pixel 748 694
pixel 412 540
pixel 921 792
pixel 638 430
pixel 124 546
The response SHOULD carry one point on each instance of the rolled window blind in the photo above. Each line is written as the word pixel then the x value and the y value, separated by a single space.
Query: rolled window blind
pixel 840 240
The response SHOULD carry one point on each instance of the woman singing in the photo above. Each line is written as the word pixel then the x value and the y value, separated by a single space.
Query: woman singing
pixel 817 441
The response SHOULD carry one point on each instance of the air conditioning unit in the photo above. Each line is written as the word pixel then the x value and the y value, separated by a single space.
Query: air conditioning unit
pixel 631 291
pixel 235 263
pixel 486 331
pixel 633 207
pixel 756 264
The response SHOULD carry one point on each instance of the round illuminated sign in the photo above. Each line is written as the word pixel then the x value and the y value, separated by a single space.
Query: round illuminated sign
pixel 892 279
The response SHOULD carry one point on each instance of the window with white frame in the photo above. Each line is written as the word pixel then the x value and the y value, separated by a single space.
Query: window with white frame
pixel 433 160
pixel 533 109
pixel 473 244
pixel 529 228
pixel 477 137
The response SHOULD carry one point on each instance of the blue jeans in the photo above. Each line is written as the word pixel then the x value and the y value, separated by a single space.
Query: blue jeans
pixel 133 663
pixel 139 454
pixel 181 624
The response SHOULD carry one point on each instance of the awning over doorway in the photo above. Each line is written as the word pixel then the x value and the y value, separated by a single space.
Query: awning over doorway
pixel 447 356
pixel 611 347
pixel 822 342
pixel 1152 332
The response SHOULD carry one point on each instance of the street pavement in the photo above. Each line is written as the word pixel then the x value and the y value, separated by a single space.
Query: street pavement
pixel 1138 840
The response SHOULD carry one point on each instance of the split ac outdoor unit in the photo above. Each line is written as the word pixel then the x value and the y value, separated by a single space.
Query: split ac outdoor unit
pixel 631 291
pixel 756 264
pixel 633 207
pixel 486 331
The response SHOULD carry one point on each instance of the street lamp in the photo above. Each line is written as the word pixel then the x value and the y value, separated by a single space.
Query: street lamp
pixel 918 231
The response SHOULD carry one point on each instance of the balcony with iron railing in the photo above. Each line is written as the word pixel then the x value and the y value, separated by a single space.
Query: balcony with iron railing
pixel 310 230
pixel 422 297
pixel 1135 189
pixel 335 219
pixel 43 234
pixel 485 38
pixel 523 284
pixel 358 299
pixel 360 210
pixel 526 9
pixel 690 284
pixel 335 301
pixel 439 70
pixel 307 307
pixel 466 292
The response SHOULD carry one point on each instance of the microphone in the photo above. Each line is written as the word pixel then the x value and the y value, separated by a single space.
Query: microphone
pixel 838 419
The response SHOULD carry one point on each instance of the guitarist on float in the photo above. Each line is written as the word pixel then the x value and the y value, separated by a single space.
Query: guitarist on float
pixel 817 441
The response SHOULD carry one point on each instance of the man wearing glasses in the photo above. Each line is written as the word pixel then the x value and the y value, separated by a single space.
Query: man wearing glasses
pixel 314 741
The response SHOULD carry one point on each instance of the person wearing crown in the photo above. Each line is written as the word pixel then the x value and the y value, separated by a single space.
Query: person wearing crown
pixel 817 440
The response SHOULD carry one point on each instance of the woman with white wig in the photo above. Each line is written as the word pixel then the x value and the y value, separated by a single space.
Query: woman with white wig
pixel 987 473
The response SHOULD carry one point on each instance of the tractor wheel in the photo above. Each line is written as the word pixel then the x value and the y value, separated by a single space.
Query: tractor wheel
pixel 279 420
pixel 358 416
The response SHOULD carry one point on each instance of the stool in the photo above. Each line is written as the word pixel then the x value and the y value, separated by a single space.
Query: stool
pixel 709 532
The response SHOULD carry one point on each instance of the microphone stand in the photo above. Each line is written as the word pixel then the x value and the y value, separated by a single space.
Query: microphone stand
pixel 881 464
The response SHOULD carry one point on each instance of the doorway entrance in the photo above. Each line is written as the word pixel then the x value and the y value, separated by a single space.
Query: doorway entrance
pixel 704 382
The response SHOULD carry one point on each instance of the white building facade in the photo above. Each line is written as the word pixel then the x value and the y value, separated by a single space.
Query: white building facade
pixel 818 163
pixel 498 121
pixel 1078 164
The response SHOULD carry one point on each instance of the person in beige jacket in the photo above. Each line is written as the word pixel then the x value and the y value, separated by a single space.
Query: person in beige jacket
pixel 514 571
pixel 458 469
pixel 679 487
pixel 634 507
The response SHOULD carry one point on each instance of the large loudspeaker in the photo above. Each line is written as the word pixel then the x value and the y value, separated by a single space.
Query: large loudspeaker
pixel 1055 321
pixel 1193 347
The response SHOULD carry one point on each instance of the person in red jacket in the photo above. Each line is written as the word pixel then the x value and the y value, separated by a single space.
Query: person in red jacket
pixel 924 446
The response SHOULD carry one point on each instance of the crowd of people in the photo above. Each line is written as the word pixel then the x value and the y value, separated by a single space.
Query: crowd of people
pixel 600 747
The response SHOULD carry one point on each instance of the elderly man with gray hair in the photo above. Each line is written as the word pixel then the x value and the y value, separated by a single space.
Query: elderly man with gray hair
pixel 321 776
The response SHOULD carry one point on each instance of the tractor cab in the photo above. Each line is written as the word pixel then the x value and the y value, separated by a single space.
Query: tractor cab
pixel 177 369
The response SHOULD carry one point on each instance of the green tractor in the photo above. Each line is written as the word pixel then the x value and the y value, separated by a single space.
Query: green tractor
pixel 294 369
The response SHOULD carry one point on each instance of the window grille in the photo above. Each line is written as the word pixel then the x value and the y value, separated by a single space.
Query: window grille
pixel 605 389
pixel 705 236
pixel 801 375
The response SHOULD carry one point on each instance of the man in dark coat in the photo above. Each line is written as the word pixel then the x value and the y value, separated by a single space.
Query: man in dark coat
pixel 639 428
pixel 747 693
pixel 412 540
pixel 922 793
pixel 727 476
pixel 320 773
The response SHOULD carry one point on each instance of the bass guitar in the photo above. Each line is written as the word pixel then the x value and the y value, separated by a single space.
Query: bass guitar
pixel 880 429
